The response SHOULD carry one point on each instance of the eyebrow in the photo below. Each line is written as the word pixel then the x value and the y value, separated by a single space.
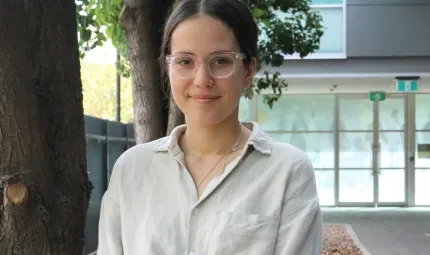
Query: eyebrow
pixel 212 53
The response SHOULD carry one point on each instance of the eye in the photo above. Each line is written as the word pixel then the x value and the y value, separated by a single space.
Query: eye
pixel 184 61
pixel 222 60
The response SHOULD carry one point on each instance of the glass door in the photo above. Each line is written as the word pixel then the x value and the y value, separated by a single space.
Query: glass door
pixel 422 150
pixel 391 132
pixel 355 157
pixel 371 154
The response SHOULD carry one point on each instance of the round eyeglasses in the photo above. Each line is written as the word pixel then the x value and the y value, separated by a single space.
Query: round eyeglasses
pixel 220 65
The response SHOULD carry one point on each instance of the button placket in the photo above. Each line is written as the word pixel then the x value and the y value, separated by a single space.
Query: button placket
pixel 196 211
pixel 192 230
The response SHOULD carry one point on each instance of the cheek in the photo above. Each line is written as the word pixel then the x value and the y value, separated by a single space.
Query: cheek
pixel 230 90
pixel 178 86
pixel 234 85
pixel 178 89
pixel 241 78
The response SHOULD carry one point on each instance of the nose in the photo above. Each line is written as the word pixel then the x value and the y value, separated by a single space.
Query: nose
pixel 203 77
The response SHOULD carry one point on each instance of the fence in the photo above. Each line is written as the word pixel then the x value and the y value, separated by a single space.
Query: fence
pixel 105 142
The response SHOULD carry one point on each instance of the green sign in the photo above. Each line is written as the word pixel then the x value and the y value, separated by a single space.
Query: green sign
pixel 424 151
pixel 377 96
pixel 407 85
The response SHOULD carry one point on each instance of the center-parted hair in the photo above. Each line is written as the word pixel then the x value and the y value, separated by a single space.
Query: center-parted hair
pixel 233 13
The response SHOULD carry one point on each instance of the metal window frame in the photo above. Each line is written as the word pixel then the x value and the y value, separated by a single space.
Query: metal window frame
pixel 410 132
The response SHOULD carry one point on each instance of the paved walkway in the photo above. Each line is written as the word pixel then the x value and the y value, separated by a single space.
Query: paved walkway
pixel 387 231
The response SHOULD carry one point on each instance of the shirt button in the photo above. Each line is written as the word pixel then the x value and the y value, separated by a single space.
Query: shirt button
pixel 196 211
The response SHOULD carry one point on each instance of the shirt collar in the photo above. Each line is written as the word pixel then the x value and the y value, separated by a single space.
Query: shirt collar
pixel 258 139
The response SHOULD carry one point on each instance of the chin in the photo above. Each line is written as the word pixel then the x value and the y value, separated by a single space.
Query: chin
pixel 206 119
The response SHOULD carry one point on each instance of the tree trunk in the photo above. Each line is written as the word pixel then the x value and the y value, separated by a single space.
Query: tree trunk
pixel 176 117
pixel 44 187
pixel 143 22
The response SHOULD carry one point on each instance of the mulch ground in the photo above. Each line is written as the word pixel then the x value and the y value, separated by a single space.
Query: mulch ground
pixel 337 241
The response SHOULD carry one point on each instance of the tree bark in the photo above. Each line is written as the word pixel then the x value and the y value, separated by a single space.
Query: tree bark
pixel 143 22
pixel 44 186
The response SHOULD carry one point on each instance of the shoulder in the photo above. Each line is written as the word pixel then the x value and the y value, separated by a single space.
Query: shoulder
pixel 138 155
pixel 283 157
pixel 297 168
pixel 288 154
pixel 129 166
pixel 293 162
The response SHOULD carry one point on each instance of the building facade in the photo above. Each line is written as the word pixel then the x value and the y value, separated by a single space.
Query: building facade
pixel 360 106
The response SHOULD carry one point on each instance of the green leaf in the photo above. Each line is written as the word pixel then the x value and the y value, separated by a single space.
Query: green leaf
pixel 99 15
pixel 101 37
pixel 86 35
pixel 256 12
pixel 266 22
pixel 82 20
pixel 109 31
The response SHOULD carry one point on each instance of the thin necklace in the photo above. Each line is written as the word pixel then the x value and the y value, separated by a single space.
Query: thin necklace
pixel 234 148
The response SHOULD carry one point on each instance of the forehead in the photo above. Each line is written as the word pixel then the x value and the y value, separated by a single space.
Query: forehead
pixel 202 35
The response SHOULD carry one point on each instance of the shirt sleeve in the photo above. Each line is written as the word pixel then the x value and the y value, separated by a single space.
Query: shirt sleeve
pixel 110 234
pixel 300 230
pixel 110 242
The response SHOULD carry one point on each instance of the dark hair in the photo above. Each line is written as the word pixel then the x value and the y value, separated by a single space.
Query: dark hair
pixel 233 13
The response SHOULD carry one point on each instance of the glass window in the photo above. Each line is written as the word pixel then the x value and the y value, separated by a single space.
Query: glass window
pixel 422 173
pixel 392 185
pixel 392 149
pixel 318 146
pixel 356 185
pixel 327 1
pixel 422 187
pixel 325 186
pixel 422 115
pixel 355 150
pixel 298 113
pixel 392 114
pixel 420 161
pixel 355 114
pixel 332 40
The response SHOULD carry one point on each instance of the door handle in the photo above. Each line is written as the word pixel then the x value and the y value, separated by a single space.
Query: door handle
pixel 376 150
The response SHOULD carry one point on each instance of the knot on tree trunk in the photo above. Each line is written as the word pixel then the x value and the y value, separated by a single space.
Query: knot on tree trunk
pixel 12 190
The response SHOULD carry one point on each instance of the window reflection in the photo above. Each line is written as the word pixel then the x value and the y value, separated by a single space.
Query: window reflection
pixel 307 122
pixel 422 114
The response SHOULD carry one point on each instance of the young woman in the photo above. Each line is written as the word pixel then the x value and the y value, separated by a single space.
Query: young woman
pixel 215 185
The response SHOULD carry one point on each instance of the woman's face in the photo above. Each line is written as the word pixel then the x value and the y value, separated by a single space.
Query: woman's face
pixel 195 45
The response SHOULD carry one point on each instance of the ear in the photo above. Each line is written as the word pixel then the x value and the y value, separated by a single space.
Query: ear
pixel 250 72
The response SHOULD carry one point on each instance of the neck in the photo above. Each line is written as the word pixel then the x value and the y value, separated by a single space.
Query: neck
pixel 216 139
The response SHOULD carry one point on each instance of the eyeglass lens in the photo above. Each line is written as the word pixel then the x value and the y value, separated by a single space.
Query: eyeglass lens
pixel 219 66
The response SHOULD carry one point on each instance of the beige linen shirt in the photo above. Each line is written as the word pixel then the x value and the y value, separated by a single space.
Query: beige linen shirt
pixel 265 202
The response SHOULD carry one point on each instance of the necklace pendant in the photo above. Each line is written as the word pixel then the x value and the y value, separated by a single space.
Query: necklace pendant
pixel 235 147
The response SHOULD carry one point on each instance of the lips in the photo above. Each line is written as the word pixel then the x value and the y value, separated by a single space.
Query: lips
pixel 204 99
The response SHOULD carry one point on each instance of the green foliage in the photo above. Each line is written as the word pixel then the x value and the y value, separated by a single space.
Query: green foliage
pixel 98 21
pixel 285 27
